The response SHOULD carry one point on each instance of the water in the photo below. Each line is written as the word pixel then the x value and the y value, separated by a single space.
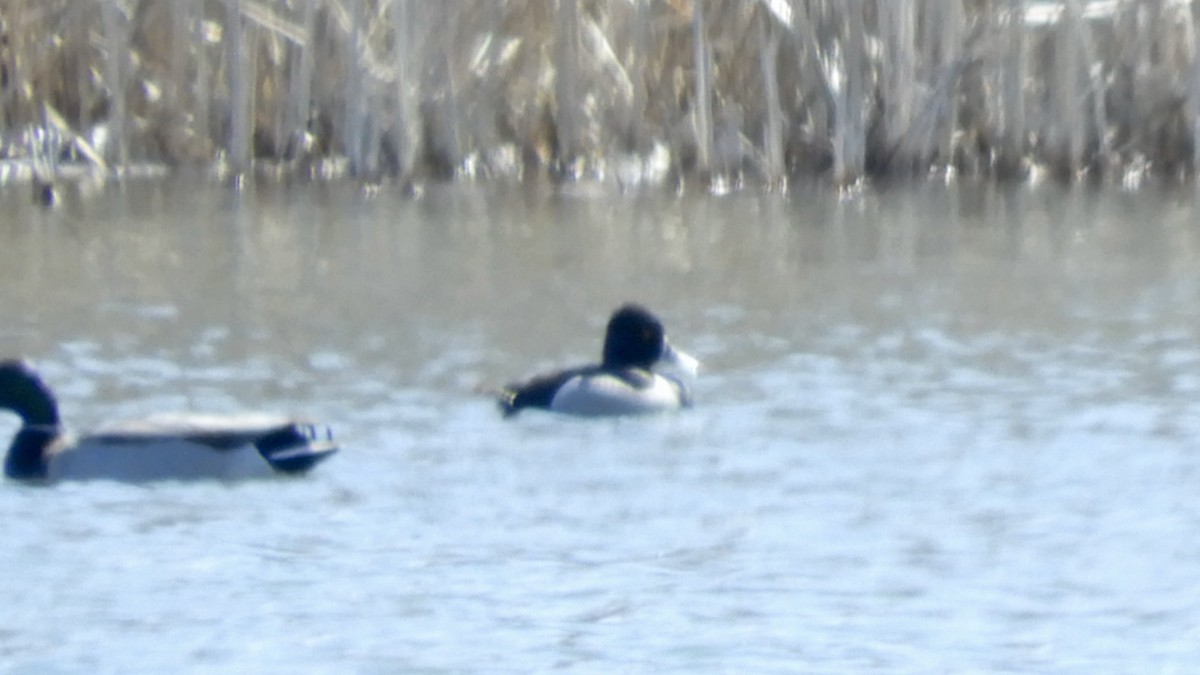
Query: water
pixel 939 429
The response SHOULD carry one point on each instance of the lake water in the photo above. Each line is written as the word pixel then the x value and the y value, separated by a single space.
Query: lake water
pixel 939 429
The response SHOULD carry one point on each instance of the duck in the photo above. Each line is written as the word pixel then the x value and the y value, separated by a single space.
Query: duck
pixel 170 446
pixel 625 382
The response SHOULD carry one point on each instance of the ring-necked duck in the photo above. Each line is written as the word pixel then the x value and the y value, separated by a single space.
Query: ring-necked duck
pixel 623 383
pixel 179 446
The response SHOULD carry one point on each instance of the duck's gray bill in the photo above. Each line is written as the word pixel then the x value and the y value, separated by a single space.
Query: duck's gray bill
pixel 686 363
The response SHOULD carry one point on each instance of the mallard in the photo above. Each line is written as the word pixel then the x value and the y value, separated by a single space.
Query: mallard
pixel 161 447
pixel 623 383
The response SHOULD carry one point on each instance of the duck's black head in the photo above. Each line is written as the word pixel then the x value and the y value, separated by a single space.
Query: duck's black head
pixel 24 393
pixel 634 339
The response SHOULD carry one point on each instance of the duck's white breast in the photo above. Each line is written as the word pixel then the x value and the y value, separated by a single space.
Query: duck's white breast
pixel 608 395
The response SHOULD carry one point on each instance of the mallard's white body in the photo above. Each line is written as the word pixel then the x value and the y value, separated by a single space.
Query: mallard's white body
pixel 162 447
pixel 177 446
pixel 158 459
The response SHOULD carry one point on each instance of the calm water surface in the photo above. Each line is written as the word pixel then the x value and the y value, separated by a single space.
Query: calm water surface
pixel 939 430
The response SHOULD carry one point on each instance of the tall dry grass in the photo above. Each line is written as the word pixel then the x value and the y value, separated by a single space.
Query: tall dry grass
pixel 634 90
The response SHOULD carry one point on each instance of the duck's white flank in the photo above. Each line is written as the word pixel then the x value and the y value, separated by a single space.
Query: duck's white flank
pixel 171 445
pixel 611 395
pixel 248 425
pixel 154 458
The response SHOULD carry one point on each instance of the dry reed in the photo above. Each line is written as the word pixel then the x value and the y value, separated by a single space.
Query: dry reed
pixel 638 91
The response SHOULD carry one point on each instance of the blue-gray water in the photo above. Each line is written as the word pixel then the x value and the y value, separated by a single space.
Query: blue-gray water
pixel 938 430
